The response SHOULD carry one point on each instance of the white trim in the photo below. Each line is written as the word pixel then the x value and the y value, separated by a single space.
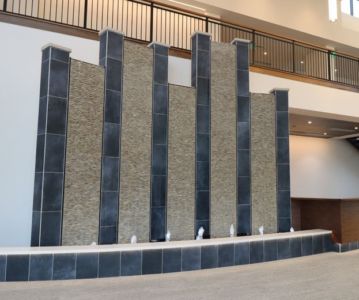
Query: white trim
pixel 51 45
pixel 240 40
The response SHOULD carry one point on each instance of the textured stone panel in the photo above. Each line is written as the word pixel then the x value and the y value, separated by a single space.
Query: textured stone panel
pixel 83 154
pixel 135 155
pixel 223 139
pixel 181 162
pixel 263 163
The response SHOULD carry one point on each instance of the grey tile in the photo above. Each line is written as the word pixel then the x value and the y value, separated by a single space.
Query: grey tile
pixel 115 45
pixel 108 235
pixel 54 153
pixel 56 116
pixel 202 175
pixel 44 78
pixel 203 64
pixel 113 102
pixel 109 209
pixel 45 54
pixel 244 219
pixel 158 223
pixel 109 264
pixel 243 107
pixel 41 267
pixel 110 174
pixel 203 91
pixel 256 252
pixel 160 49
pixel 159 160
pixel 353 245
pixel 203 41
pixel 243 163
pixel 37 191
pixel 243 83
pixel 103 47
pixel 270 250
pixel 191 258
pixel 60 55
pixel 111 140
pixel 344 247
pixel 59 77
pixel 131 263
pixel 160 99
pixel 242 56
pixel 160 69
pixel 50 229
pixel 283 249
pixel 295 245
pixel 87 265
pixel 243 135
pixel 114 75
pixel 283 204
pixel 281 100
pixel 328 243
pixel 317 244
pixel 52 192
pixel 241 253
pixel 226 255
pixel 209 257
pixel 41 120
pixel 202 207
pixel 193 64
pixel 282 124
pixel 203 121
pixel 307 245
pixel 283 177
pixel 283 150
pixel 40 148
pixel 64 266
pixel 35 228
pixel 284 224
pixel 160 127
pixel 2 267
pixel 152 261
pixel 244 190
pixel 171 260
pixel 159 190
pixel 202 147
pixel 17 268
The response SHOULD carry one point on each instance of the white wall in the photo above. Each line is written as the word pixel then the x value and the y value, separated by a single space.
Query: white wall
pixel 323 168
pixel 20 57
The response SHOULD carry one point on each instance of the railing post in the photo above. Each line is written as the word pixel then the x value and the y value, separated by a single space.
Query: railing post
pixel 5 5
pixel 85 12
pixel 151 23
pixel 329 67
pixel 293 54
pixel 206 24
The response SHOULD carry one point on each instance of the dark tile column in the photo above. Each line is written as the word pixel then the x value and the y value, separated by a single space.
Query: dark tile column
pixel 283 169
pixel 50 149
pixel 243 139
pixel 201 79
pixel 111 57
pixel 159 161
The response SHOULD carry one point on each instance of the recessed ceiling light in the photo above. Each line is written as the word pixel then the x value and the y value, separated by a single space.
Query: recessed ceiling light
pixel 325 133
pixel 356 127
pixel 265 52
pixel 335 70
pixel 301 62
pixel 310 122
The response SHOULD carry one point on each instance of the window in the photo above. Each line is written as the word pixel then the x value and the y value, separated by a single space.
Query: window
pixel 350 7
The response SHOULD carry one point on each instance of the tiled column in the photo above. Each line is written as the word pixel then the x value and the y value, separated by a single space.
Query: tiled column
pixel 201 70
pixel 159 162
pixel 50 149
pixel 111 57
pixel 283 169
pixel 243 139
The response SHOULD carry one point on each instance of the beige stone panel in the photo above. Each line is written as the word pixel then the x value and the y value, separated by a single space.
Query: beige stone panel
pixel 135 175
pixel 181 162
pixel 83 154
pixel 263 163
pixel 223 139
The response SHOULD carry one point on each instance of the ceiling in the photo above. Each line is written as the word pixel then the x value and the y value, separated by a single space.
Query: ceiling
pixel 322 127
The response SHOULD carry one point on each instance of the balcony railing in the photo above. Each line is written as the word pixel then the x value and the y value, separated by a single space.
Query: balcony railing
pixel 147 21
